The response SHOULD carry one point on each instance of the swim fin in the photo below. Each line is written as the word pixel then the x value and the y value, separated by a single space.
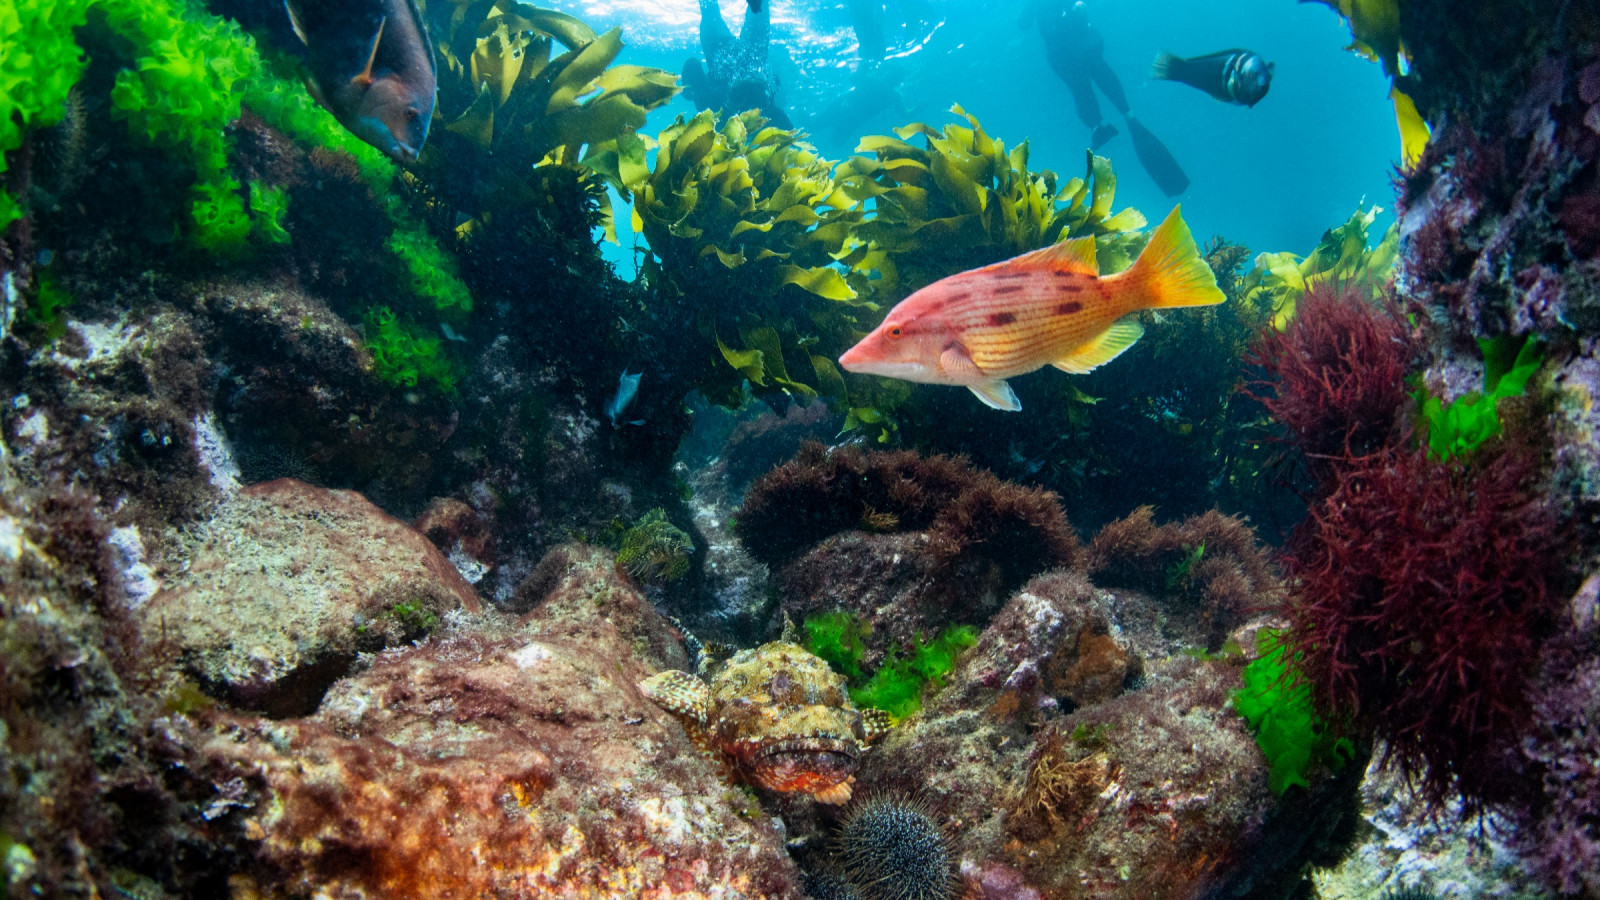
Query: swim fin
pixel 1157 159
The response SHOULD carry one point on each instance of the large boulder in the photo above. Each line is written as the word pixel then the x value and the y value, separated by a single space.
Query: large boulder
pixel 499 758
pixel 270 601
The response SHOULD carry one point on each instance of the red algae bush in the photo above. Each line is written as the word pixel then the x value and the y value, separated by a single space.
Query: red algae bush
pixel 1424 587
pixel 1336 376
pixel 976 520
pixel 1425 595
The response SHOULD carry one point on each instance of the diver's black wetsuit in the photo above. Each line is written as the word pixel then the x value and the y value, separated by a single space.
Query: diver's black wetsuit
pixel 734 74
pixel 1075 51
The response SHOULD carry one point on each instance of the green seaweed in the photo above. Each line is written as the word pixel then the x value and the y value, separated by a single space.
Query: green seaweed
pixel 268 206
pixel 180 94
pixel 34 84
pixel 431 272
pixel 836 638
pixel 899 683
pixel 46 312
pixel 654 550
pixel 1461 426
pixel 414 616
pixel 1277 704
pixel 405 355
pixel 1178 572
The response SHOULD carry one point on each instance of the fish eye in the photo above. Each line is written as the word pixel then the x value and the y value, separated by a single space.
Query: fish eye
pixel 412 114
pixel 895 331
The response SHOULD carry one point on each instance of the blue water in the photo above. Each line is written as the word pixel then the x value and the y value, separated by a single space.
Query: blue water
pixel 1272 177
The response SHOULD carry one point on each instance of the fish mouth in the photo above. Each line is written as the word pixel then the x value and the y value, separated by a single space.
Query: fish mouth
pixel 402 153
pixel 905 371
pixel 805 764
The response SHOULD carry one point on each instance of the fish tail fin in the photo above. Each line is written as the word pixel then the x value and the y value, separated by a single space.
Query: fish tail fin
pixel 1171 272
pixel 1162 67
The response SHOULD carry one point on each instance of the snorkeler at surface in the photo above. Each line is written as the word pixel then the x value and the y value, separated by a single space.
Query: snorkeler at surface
pixel 734 75
pixel 1076 53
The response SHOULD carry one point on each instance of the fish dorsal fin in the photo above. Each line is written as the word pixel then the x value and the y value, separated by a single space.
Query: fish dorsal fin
pixel 997 394
pixel 294 21
pixel 1076 255
pixel 365 78
pixel 1103 349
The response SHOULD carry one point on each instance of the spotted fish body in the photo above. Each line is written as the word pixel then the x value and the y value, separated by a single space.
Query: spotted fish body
pixel 1049 307
pixel 779 715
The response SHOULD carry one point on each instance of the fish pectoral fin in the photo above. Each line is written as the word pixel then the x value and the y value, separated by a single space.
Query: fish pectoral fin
pixel 875 723
pixel 997 394
pixel 1076 255
pixel 679 693
pixel 365 78
pixel 956 362
pixel 1108 346
pixel 294 21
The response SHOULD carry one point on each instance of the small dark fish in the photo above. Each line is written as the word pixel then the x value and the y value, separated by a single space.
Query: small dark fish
pixel 372 66
pixel 1232 76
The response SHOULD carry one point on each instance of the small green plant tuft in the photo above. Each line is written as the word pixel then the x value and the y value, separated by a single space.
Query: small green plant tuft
pixel 269 205
pixel 1276 702
pixel 836 638
pixel 1464 424
pixel 46 312
pixel 1091 736
pixel 414 616
pixel 186 698
pixel 1178 571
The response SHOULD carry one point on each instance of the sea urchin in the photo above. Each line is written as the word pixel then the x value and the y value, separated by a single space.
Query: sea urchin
pixel 890 848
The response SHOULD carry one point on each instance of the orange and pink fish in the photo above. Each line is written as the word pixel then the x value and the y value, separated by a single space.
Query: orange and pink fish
pixel 1051 307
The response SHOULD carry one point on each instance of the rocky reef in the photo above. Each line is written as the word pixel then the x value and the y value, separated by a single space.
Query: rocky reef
pixel 340 523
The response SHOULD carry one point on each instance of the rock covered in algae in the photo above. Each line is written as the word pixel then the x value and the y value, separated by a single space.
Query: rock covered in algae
pixel 1151 787
pixel 498 758
pixel 273 598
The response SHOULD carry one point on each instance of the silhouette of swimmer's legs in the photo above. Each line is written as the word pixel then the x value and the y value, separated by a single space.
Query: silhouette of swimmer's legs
pixel 716 41
pixel 1109 84
pixel 753 40
pixel 1083 98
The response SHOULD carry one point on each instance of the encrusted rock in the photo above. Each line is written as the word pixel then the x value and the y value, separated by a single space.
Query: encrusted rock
pixel 499 758
pixel 276 595
pixel 460 533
